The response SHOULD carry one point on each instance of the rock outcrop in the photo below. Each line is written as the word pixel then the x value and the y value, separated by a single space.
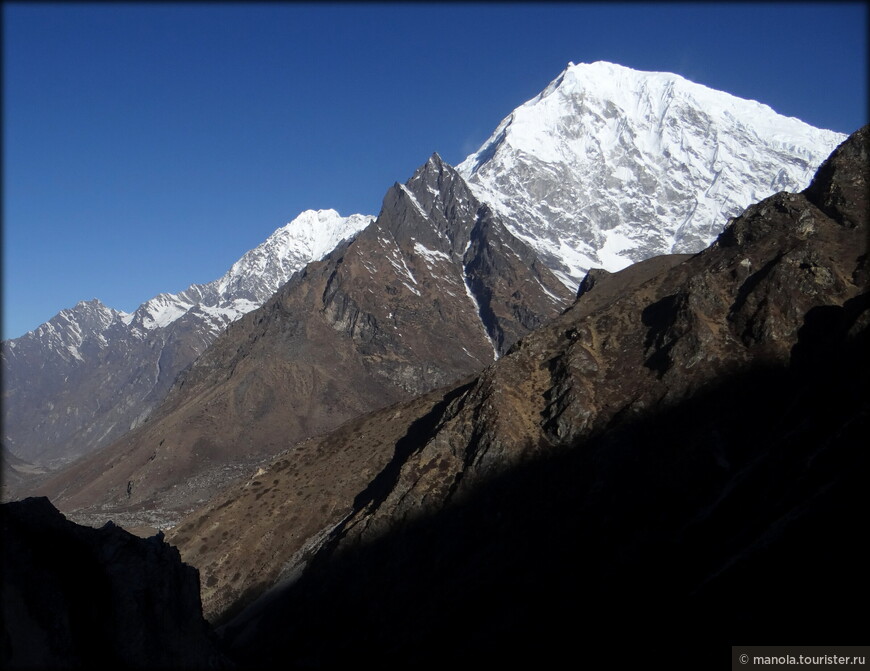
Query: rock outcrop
pixel 78 597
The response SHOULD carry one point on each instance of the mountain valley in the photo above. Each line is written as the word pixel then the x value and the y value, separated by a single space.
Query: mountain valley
pixel 605 381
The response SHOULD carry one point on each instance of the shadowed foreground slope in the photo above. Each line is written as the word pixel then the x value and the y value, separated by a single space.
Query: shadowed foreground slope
pixel 727 520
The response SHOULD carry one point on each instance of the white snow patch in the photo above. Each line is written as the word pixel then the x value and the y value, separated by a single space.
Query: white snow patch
pixel 403 269
pixel 471 296
pixel 413 199
pixel 553 297
pixel 410 288
pixel 612 252
pixel 161 311
pixel 431 256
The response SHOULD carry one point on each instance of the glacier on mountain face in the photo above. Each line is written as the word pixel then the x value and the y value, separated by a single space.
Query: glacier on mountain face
pixel 608 166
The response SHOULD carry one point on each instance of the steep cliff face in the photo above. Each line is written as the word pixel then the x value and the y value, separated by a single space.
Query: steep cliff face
pixel 434 289
pixel 671 456
pixel 77 597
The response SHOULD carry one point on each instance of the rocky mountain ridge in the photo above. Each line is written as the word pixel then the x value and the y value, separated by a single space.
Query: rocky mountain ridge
pixel 606 166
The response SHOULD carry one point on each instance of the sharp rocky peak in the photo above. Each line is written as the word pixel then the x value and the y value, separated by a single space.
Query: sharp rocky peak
pixel 433 290
pixel 90 314
pixel 434 207
pixel 66 331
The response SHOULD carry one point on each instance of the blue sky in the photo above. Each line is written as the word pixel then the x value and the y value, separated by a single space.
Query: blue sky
pixel 148 146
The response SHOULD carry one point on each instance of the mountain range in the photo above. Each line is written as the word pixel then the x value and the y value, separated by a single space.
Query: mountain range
pixel 679 454
pixel 670 466
pixel 605 382
pixel 101 371
pixel 346 335
pixel 605 167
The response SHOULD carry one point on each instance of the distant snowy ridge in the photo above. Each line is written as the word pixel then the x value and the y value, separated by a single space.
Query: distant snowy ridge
pixel 255 277
pixel 243 288
pixel 608 165
pixel 102 371
pixel 70 328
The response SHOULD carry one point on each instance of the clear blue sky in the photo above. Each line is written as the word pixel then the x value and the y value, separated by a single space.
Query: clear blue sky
pixel 148 146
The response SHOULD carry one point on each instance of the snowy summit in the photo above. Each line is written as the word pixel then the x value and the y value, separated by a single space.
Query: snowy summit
pixel 608 165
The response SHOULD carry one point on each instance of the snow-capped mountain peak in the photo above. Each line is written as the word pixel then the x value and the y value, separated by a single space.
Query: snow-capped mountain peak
pixel 309 237
pixel 256 275
pixel 71 327
pixel 608 165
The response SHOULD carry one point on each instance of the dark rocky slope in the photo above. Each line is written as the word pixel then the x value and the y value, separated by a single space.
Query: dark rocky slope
pixel 262 532
pixel 77 597
pixel 673 465
pixel 430 292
